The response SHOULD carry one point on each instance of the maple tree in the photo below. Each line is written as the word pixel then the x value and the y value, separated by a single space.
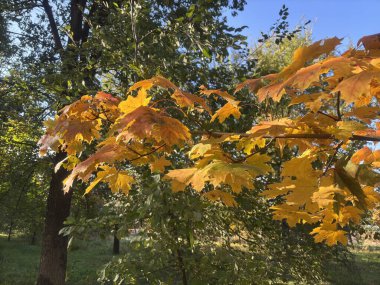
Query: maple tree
pixel 63 49
pixel 330 182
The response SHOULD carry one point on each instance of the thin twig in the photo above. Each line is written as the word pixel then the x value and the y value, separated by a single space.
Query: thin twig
pixel 331 160
pixel 338 107
pixel 328 115
pixel 253 153
pixel 148 153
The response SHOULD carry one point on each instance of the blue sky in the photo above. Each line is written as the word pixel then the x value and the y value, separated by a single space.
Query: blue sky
pixel 350 19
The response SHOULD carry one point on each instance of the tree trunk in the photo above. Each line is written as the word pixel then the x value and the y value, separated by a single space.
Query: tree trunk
pixel 10 230
pixel 116 242
pixel 54 246
pixel 33 240
pixel 182 267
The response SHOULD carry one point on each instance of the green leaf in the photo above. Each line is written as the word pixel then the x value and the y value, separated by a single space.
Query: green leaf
pixel 206 52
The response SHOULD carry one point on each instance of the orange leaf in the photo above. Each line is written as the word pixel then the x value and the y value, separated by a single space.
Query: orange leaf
pixel 370 42
pixel 227 110
pixel 357 89
pixel 363 154
pixel 158 165
pixel 304 54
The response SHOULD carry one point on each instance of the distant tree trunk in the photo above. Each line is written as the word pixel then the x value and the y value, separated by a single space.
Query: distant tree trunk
pixel 182 266
pixel 33 240
pixel 10 230
pixel 54 246
pixel 116 242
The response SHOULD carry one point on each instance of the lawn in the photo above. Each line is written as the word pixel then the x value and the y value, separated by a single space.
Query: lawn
pixel 365 270
pixel 19 264
pixel 19 261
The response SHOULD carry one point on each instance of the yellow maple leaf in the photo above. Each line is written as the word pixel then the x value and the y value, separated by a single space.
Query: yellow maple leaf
pixel 158 165
pixel 349 213
pixel 117 180
pixel 154 81
pixel 372 196
pixel 227 110
pixel 132 103
pixel 363 154
pixel 109 151
pixel 307 53
pixel 185 99
pixel 330 234
pixel 260 161
pixel 365 113
pixel 225 197
pixel 249 144
pixel 293 214
pixel 199 150
pixel 327 190
pixel 179 178
pixel 357 89
pixel 217 173
pixel 274 91
pixel 148 123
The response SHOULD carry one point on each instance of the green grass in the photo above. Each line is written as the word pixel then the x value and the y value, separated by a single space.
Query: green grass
pixel 365 270
pixel 19 261
pixel 19 264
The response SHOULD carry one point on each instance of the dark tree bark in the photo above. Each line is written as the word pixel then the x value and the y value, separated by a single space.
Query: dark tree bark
pixel 116 242
pixel 54 246
pixel 53 260
pixel 182 267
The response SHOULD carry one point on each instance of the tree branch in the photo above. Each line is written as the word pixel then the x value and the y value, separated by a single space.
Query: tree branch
pixel 76 20
pixel 329 163
pixel 338 107
pixel 86 25
pixel 291 136
pixel 328 115
pixel 148 153
pixel 53 25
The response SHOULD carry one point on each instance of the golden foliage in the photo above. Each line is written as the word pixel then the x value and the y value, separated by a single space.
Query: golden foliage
pixel 328 103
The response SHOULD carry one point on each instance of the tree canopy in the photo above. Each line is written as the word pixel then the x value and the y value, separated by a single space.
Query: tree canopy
pixel 324 111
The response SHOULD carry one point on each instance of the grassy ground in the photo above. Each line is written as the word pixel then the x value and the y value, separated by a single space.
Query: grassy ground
pixel 365 270
pixel 19 264
pixel 19 261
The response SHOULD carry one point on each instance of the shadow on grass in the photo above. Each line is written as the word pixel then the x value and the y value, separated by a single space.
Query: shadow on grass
pixel 19 264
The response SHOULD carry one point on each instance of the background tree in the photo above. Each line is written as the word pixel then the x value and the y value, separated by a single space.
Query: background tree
pixel 330 192
pixel 182 239
pixel 74 47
